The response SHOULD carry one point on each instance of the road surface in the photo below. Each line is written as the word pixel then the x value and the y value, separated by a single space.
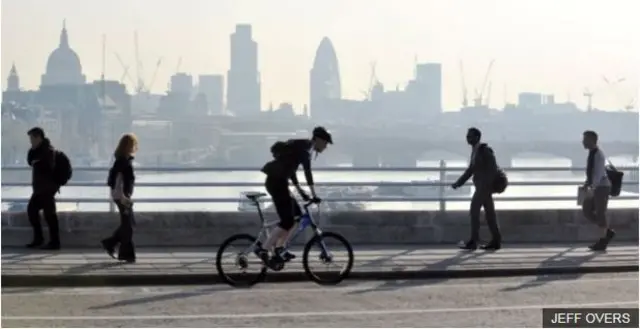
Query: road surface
pixel 500 302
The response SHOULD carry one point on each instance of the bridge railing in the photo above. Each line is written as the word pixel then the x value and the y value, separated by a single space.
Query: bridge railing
pixel 441 185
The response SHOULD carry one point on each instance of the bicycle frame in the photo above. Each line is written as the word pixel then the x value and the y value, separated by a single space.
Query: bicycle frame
pixel 305 221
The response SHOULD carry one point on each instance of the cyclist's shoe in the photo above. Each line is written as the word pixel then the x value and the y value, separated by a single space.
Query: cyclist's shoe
pixel 276 262
pixel 264 255
pixel 286 255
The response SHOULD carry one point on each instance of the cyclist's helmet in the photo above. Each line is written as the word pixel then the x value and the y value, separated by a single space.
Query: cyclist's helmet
pixel 320 132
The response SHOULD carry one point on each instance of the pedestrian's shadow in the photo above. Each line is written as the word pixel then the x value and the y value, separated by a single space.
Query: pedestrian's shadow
pixel 461 257
pixel 90 267
pixel 160 298
pixel 557 260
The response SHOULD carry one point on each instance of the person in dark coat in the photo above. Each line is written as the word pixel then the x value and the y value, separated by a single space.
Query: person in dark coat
pixel 484 169
pixel 41 159
pixel 121 181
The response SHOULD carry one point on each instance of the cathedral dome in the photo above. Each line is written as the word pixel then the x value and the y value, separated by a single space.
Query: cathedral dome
pixel 63 65
pixel 64 61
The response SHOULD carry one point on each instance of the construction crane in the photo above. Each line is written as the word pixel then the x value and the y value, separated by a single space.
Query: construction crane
pixel 104 67
pixel 477 101
pixel 631 105
pixel 140 82
pixel 149 85
pixel 464 87
pixel 615 82
pixel 488 98
pixel 178 65
pixel 372 82
pixel 589 95
pixel 126 70
pixel 613 88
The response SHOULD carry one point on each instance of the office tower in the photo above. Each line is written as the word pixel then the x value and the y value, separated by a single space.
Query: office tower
pixel 243 78
pixel 324 79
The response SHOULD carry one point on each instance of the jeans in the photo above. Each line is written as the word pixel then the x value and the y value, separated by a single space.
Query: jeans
pixel 46 203
pixel 123 235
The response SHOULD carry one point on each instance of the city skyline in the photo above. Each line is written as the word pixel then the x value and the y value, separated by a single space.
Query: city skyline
pixel 286 55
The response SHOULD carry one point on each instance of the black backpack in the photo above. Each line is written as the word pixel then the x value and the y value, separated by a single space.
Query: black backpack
pixel 279 149
pixel 501 182
pixel 62 170
pixel 615 177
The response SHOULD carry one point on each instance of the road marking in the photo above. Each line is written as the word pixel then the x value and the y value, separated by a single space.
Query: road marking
pixel 305 314
pixel 222 289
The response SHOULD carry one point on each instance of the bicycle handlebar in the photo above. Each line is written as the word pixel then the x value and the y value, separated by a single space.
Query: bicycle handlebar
pixel 311 202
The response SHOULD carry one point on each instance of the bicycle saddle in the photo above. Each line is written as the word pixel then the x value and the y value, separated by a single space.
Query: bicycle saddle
pixel 254 196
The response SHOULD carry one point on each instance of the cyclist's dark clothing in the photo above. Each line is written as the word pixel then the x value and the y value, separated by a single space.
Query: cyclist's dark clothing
pixel 286 206
pixel 282 168
pixel 293 153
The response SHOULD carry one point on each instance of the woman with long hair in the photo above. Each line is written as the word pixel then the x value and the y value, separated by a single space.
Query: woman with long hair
pixel 121 181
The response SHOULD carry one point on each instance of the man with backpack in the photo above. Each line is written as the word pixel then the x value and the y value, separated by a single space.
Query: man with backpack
pixel 486 173
pixel 50 169
pixel 597 188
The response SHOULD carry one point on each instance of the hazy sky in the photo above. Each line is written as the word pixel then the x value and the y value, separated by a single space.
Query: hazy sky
pixel 554 46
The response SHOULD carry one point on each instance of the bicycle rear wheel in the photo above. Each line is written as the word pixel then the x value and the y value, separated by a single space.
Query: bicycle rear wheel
pixel 240 259
pixel 334 249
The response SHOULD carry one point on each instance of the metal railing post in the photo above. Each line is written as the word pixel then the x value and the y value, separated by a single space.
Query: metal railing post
pixel 443 176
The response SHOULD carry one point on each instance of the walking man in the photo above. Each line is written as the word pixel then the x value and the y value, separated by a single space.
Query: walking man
pixel 597 188
pixel 484 169
pixel 41 159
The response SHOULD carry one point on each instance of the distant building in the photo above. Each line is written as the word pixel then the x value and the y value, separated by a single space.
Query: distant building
pixel 212 87
pixel 324 80
pixel 428 88
pixel 529 100
pixel 182 83
pixel 243 78
pixel 63 65
pixel 13 81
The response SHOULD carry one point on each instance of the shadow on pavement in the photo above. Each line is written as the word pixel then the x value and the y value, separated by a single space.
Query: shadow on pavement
pixel 161 298
pixel 459 258
pixel 86 268
pixel 554 261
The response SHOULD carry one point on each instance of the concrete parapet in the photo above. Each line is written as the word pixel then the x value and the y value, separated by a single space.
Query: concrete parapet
pixel 167 229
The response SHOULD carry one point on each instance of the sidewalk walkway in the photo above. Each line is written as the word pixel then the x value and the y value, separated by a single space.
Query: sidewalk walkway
pixel 370 262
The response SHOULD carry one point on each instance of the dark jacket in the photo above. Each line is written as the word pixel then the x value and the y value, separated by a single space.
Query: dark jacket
pixel 483 167
pixel 124 166
pixel 286 161
pixel 41 160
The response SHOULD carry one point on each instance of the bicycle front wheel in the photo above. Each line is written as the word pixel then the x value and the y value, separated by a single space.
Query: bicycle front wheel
pixel 243 258
pixel 333 249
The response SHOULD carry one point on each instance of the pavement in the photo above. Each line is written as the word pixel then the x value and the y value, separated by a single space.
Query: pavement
pixel 514 302
pixel 23 268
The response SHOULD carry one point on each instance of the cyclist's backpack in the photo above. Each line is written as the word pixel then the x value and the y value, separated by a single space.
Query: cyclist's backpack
pixel 62 170
pixel 278 149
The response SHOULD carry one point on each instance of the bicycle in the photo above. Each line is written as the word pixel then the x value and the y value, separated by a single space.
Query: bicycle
pixel 307 220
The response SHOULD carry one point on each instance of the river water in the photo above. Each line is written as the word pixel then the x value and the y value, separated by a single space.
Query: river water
pixel 234 192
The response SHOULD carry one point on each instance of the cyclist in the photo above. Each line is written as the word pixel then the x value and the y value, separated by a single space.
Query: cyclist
pixel 288 156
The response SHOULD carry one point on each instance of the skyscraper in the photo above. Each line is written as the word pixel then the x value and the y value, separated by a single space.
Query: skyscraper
pixel 324 78
pixel 243 78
